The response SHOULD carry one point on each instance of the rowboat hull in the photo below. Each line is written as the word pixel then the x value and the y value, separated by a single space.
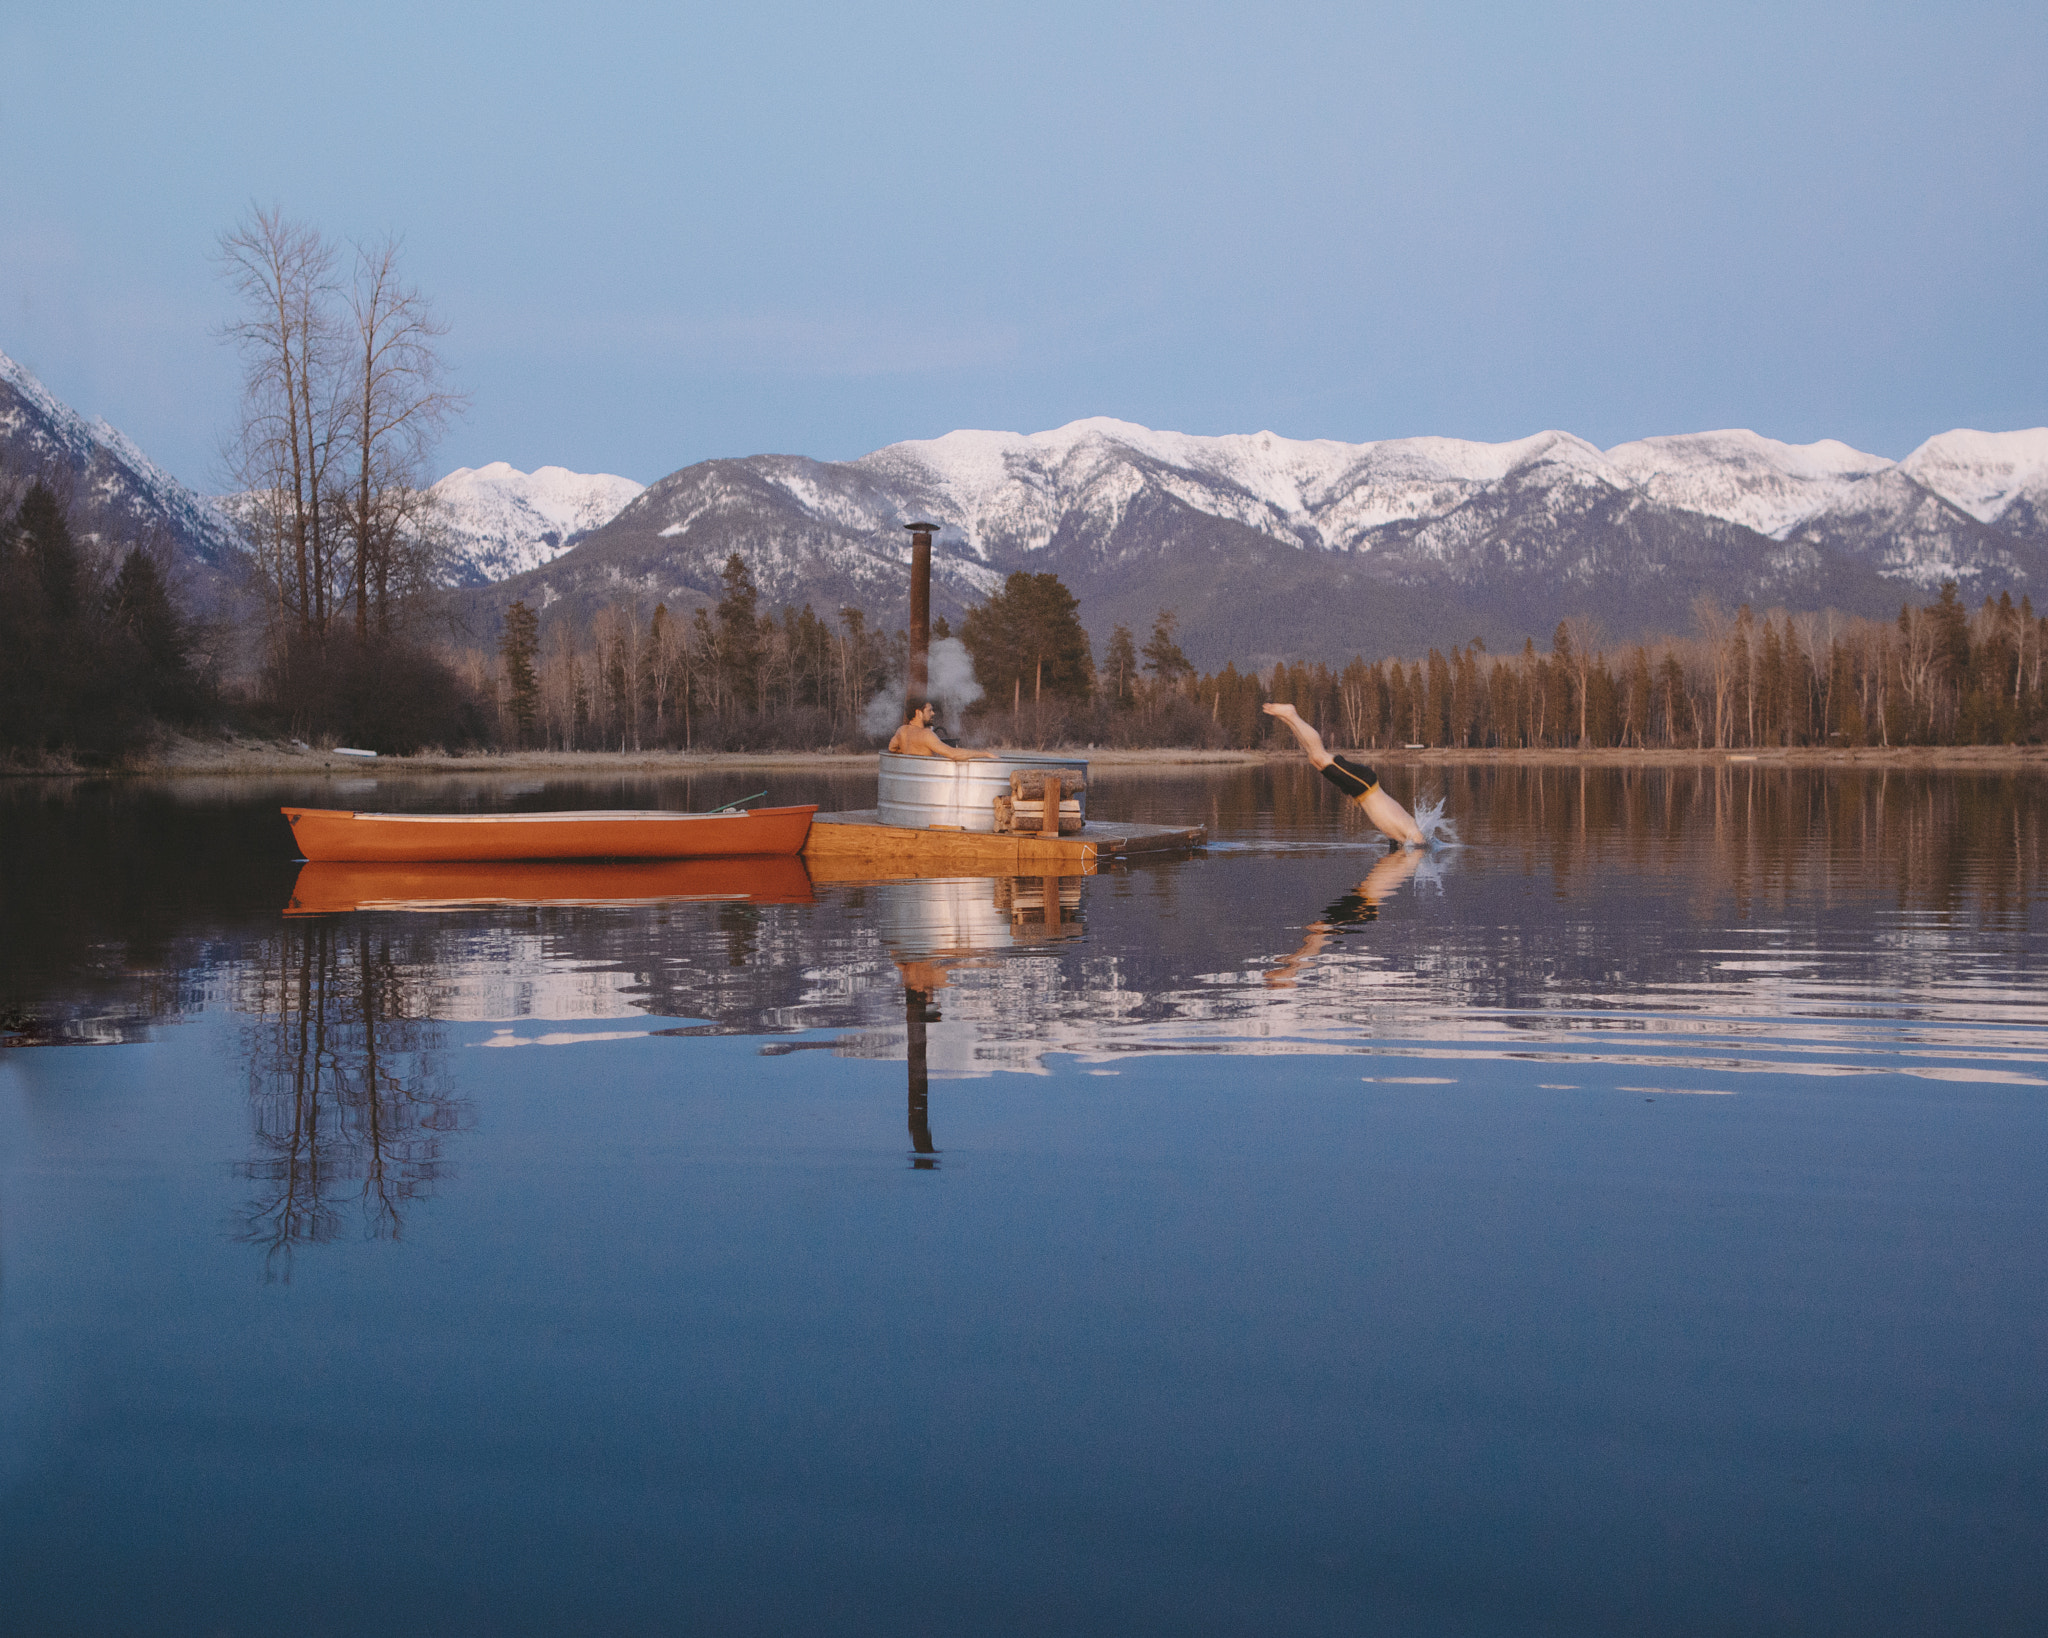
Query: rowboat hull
pixel 335 888
pixel 337 835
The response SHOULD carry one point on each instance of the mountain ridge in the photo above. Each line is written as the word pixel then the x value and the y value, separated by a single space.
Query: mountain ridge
pixel 117 493
pixel 1268 547
pixel 501 521
pixel 1273 547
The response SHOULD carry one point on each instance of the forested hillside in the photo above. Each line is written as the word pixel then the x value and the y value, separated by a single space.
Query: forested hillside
pixel 738 676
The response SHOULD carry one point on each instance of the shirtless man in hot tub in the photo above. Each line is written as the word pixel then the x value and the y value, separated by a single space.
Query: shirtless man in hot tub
pixel 917 737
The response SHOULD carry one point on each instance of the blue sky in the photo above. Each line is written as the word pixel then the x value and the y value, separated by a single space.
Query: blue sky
pixel 667 233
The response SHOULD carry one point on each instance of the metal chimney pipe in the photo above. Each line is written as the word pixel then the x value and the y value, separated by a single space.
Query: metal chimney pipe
pixel 919 678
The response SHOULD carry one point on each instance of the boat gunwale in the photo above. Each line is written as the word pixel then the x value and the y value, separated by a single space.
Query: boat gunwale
pixel 567 815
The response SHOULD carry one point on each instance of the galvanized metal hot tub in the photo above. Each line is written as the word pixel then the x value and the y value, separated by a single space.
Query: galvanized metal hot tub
pixel 919 791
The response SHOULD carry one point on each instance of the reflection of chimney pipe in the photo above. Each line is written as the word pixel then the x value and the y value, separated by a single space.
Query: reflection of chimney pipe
pixel 915 1017
pixel 919 678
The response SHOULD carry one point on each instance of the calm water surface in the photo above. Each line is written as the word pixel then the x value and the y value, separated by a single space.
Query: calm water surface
pixel 1631 1220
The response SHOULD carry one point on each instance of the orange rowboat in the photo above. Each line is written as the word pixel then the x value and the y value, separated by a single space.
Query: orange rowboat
pixel 333 889
pixel 331 834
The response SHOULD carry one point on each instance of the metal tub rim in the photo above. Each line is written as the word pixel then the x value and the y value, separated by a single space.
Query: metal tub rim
pixel 916 792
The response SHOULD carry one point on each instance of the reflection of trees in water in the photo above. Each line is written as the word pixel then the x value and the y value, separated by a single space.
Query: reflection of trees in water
pixel 1761 835
pixel 350 1103
pixel 1671 885
pixel 1931 839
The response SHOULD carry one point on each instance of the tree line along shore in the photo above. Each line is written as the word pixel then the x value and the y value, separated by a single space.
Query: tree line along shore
pixel 345 633
pixel 243 756
pixel 97 666
pixel 733 679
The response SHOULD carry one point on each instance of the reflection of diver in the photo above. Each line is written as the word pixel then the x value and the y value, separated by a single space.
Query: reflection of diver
pixel 1356 781
pixel 1353 910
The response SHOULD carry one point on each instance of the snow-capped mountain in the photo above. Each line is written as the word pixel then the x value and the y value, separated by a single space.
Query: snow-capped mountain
pixel 118 494
pixel 1743 478
pixel 504 522
pixel 1269 546
pixel 1015 492
pixel 1986 474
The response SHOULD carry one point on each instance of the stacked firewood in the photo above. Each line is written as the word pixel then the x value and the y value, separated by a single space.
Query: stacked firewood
pixel 1042 802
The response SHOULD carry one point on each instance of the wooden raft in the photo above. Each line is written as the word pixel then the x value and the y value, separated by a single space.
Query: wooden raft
pixel 839 841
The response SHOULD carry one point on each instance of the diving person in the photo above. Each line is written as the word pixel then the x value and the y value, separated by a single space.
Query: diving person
pixel 1355 780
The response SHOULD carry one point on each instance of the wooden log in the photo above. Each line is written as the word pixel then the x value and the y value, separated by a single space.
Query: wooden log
pixel 1026 819
pixel 1031 782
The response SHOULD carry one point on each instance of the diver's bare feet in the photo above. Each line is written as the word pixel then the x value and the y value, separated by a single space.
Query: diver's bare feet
pixel 1305 736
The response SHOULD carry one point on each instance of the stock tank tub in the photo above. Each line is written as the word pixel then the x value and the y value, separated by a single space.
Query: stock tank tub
pixel 917 792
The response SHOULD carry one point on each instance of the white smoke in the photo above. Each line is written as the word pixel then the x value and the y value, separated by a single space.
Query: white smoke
pixel 950 683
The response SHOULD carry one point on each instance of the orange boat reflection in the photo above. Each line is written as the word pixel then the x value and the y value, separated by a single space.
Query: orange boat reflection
pixel 325 889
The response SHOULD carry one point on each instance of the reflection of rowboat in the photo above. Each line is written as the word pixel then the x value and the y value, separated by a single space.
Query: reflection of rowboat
pixel 336 834
pixel 328 889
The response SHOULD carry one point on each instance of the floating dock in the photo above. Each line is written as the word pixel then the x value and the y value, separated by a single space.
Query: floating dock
pixel 844 846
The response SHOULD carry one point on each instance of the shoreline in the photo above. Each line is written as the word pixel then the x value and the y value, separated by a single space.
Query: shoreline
pixel 254 758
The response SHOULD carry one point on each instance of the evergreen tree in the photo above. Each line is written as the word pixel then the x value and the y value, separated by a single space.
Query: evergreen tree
pixel 152 640
pixel 1120 667
pixel 1770 688
pixel 1437 718
pixel 1026 642
pixel 1952 631
pixel 45 538
pixel 1163 657
pixel 739 634
pixel 520 646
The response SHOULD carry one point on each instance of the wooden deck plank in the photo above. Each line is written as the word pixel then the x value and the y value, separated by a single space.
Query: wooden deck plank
pixel 860 838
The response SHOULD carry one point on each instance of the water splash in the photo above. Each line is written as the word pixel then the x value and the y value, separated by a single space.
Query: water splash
pixel 1437 831
pixel 1429 874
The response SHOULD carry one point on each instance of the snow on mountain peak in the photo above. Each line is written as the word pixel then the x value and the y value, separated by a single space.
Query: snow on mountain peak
pixel 507 521
pixel 1746 478
pixel 1983 472
pixel 1016 485
pixel 120 481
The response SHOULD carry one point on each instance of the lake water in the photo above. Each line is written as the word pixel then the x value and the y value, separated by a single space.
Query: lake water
pixel 1630 1220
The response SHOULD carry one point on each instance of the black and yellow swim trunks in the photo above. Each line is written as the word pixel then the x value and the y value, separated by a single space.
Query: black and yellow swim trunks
pixel 1350 777
pixel 1354 909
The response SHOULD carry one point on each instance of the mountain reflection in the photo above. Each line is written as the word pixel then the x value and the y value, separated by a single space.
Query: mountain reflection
pixel 350 1101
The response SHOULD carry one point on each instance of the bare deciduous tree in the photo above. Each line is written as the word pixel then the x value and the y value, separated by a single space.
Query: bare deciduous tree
pixel 1585 659
pixel 1713 624
pixel 398 403
pixel 343 396
pixel 283 448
